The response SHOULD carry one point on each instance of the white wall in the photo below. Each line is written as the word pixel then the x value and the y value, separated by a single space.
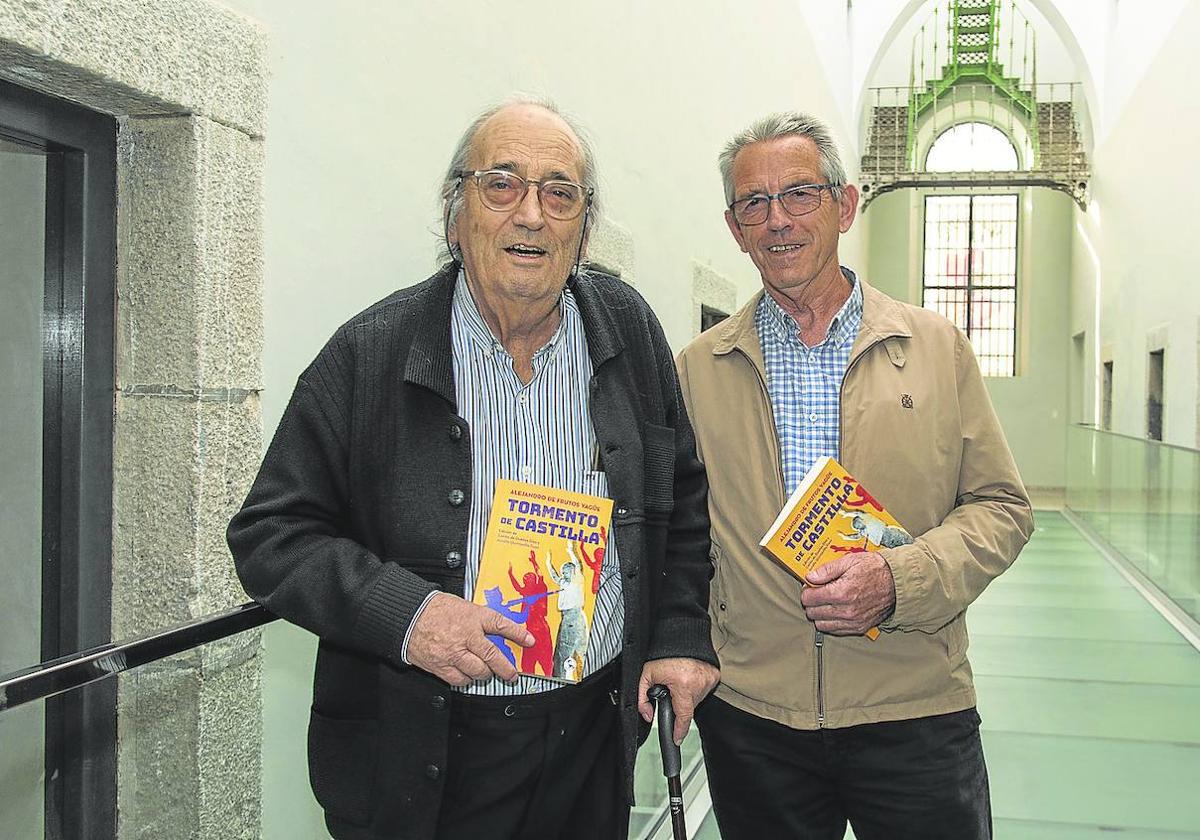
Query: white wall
pixel 1133 278
pixel 1136 33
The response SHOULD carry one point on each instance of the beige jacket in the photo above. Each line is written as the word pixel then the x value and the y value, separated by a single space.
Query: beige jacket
pixel 941 467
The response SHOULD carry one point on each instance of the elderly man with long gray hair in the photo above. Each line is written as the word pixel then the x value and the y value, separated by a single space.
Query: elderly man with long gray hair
pixel 367 520
pixel 814 724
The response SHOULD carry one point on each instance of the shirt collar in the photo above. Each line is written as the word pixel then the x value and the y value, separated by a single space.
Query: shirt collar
pixel 842 329
pixel 465 314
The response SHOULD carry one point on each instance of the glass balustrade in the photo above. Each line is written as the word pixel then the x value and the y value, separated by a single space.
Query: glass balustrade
pixel 1143 498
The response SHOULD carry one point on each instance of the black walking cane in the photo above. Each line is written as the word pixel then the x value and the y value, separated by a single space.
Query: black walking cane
pixel 671 759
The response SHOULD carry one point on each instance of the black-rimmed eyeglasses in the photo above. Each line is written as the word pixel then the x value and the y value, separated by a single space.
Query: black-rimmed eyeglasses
pixel 502 191
pixel 796 201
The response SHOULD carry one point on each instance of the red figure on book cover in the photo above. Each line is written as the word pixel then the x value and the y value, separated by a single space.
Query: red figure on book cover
pixel 596 560
pixel 539 657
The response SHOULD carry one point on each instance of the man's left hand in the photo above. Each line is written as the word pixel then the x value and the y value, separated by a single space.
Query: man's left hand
pixel 850 595
pixel 690 681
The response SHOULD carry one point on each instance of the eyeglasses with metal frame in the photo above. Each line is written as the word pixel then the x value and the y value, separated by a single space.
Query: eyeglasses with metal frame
pixel 502 191
pixel 799 200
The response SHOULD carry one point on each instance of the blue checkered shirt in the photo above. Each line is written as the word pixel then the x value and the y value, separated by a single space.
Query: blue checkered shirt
pixel 805 383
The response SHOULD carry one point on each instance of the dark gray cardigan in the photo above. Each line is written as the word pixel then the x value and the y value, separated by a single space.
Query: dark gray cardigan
pixel 360 510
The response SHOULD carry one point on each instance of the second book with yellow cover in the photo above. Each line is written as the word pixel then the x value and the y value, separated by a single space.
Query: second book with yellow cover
pixel 829 516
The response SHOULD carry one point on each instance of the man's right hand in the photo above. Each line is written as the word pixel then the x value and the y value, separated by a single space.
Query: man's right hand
pixel 449 640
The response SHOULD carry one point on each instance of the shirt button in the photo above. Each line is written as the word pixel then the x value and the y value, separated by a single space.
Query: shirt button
pixel 438 702
pixel 812 418
pixel 433 771
pixel 522 398
pixel 527 471
pixel 455 432
pixel 456 497
pixel 453 559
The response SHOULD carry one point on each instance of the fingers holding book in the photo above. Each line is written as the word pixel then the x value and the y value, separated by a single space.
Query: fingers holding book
pixel 849 595
pixel 461 642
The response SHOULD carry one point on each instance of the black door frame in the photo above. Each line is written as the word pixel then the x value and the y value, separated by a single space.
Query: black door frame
pixel 78 373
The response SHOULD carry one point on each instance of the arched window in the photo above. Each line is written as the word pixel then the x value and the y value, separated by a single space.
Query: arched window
pixel 970 266
pixel 972 147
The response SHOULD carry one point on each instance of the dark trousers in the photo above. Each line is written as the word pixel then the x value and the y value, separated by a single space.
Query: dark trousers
pixel 536 766
pixel 923 779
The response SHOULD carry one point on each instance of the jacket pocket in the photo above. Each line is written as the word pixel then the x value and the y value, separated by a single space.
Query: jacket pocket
pixel 954 635
pixel 718 602
pixel 341 765
pixel 659 454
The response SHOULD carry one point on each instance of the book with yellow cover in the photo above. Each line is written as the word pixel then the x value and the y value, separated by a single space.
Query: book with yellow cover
pixel 830 514
pixel 541 567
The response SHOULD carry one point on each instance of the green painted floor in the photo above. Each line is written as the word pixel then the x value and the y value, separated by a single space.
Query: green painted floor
pixel 1090 701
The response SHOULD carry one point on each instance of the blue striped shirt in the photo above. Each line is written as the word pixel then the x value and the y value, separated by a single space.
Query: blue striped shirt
pixel 539 433
pixel 805 383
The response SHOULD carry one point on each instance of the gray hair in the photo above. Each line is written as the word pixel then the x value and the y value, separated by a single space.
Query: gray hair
pixel 785 124
pixel 452 194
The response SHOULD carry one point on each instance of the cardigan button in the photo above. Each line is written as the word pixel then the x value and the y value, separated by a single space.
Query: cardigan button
pixel 455 431
pixel 622 512
pixel 456 497
pixel 453 560
pixel 438 702
pixel 433 771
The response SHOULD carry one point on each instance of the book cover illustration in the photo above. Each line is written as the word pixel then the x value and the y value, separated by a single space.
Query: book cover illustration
pixel 829 515
pixel 541 567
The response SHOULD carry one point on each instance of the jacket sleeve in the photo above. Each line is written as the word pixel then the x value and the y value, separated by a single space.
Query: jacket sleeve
pixel 681 626
pixel 291 543
pixel 948 567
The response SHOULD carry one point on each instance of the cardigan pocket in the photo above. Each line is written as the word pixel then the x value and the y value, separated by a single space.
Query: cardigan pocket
pixel 659 454
pixel 342 757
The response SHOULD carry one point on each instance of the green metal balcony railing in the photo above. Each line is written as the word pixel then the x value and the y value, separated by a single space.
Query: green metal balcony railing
pixel 1050 148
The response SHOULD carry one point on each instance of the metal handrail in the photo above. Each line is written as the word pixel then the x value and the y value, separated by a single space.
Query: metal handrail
pixel 79 669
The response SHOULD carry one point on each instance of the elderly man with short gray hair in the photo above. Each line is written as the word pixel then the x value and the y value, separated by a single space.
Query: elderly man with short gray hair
pixel 366 523
pixel 814 724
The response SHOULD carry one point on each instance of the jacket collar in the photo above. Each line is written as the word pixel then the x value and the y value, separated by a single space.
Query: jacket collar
pixel 431 359
pixel 599 320
pixel 882 319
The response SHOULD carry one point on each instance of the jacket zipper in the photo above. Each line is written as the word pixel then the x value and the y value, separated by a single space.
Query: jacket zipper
pixel 820 643
pixel 820 675
pixel 820 680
